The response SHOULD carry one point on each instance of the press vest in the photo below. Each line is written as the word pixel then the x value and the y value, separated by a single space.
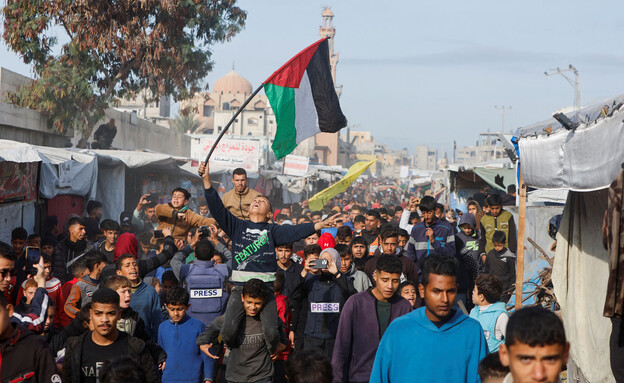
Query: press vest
pixel 325 303
pixel 488 318
pixel 491 224
pixel 205 283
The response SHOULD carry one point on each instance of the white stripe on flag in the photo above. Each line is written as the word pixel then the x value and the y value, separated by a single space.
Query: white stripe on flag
pixel 306 119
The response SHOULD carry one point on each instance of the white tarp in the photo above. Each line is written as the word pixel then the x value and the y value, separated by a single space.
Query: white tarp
pixel 580 276
pixel 586 159
pixel 13 151
pixel 137 159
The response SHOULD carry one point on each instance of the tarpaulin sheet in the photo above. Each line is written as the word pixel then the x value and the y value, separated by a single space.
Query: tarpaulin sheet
pixel 67 172
pixel 14 151
pixel 580 276
pixel 586 159
pixel 497 178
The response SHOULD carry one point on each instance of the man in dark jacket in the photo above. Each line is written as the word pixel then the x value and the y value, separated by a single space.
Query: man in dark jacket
pixel 364 320
pixel 389 240
pixel 85 354
pixel 25 356
pixel 67 251
pixel 104 135
pixel 432 236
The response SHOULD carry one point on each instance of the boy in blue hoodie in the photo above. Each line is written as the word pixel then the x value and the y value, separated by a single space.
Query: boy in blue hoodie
pixel 145 299
pixel 185 362
pixel 434 335
pixel 490 311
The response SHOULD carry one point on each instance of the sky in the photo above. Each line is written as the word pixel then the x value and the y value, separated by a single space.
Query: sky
pixel 422 73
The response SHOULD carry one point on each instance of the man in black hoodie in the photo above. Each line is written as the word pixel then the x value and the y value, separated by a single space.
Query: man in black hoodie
pixel 67 251
pixel 25 356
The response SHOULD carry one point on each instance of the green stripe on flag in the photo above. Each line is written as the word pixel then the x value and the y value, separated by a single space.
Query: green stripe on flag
pixel 283 103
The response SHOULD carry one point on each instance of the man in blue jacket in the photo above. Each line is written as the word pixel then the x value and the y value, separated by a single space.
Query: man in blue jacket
pixel 432 236
pixel 364 319
pixel 253 255
pixel 434 335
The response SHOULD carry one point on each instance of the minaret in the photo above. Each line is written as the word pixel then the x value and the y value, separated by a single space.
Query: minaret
pixel 328 30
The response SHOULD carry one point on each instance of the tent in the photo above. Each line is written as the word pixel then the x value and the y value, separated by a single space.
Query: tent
pixel 584 160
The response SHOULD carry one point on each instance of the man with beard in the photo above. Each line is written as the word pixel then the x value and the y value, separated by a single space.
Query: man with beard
pixel 237 200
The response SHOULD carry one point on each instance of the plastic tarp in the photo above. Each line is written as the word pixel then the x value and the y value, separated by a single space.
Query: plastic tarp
pixel 498 178
pixel 66 172
pixel 580 276
pixel 13 151
pixel 585 159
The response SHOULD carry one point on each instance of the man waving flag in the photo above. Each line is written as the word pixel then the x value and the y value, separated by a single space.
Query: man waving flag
pixel 304 99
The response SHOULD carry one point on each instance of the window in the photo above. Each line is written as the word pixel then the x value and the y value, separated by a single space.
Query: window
pixel 226 106
pixel 252 121
pixel 208 109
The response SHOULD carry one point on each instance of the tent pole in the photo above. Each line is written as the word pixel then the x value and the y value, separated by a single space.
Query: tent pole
pixel 520 251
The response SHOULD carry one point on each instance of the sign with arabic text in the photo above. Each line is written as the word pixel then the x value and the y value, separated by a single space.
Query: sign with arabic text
pixel 229 153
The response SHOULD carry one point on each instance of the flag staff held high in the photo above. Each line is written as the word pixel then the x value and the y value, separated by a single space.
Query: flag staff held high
pixel 303 98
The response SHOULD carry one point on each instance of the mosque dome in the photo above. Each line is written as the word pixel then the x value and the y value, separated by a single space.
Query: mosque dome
pixel 232 83
pixel 327 13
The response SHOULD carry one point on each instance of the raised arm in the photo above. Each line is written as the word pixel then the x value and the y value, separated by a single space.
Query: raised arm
pixel 226 220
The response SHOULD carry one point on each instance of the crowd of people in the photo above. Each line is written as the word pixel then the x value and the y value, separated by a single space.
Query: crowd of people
pixel 379 286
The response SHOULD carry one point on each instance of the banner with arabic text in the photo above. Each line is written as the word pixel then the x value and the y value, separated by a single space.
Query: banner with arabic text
pixel 229 154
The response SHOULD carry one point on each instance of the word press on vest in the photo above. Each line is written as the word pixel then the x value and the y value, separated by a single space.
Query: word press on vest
pixel 325 307
pixel 206 293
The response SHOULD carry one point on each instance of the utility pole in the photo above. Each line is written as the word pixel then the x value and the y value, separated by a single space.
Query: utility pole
pixel 502 108
pixel 574 82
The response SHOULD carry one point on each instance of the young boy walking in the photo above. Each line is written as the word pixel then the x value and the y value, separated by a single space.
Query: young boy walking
pixel 502 263
pixel 497 219
pixel 82 290
pixel 250 359
pixel 185 362
pixel 489 310
pixel 145 299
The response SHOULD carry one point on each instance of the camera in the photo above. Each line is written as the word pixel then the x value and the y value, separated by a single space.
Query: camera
pixel 204 232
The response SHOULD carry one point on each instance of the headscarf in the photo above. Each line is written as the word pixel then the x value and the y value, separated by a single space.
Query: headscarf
pixel 126 244
pixel 334 254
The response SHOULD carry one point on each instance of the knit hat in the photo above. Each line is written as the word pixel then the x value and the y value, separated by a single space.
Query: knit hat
pixel 126 244
pixel 326 240
pixel 334 254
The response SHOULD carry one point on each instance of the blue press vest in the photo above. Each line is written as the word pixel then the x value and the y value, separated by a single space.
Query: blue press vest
pixel 205 283
pixel 325 303
pixel 488 318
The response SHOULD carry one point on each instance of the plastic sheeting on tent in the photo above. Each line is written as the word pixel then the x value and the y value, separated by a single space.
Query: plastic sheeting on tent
pixel 13 151
pixel 62 171
pixel 580 276
pixel 66 172
pixel 585 159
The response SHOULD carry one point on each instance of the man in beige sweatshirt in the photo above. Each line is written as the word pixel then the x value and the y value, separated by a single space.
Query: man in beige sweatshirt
pixel 237 200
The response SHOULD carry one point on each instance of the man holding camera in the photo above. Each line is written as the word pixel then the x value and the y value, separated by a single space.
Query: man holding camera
pixel 145 213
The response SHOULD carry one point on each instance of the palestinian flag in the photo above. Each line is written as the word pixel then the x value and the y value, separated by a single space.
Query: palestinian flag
pixel 304 99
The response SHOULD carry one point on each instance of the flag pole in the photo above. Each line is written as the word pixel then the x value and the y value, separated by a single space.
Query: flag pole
pixel 232 120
